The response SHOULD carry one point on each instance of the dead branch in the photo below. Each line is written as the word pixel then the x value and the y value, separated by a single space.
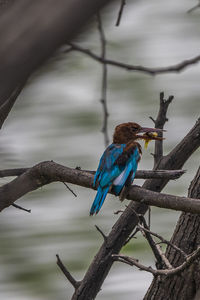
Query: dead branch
pixel 159 123
pixel 160 261
pixel 104 81
pixel 167 272
pixel 187 237
pixel 162 240
pixel 69 189
pixel 22 208
pixel 49 171
pixel 123 3
pixel 151 71
pixel 67 274
pixel 102 233
pixel 142 174
pixel 157 251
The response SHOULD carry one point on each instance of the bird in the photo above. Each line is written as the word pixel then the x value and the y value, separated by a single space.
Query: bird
pixel 118 164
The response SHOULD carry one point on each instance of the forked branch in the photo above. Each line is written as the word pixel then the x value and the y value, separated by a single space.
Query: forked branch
pixel 166 272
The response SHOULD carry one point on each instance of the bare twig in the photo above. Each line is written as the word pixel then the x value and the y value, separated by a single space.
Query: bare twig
pixel 163 240
pixel 67 274
pixel 104 80
pixel 194 7
pixel 167 272
pixel 159 255
pixel 70 189
pixel 151 71
pixel 163 257
pixel 22 208
pixel 101 232
pixel 159 123
pixel 123 3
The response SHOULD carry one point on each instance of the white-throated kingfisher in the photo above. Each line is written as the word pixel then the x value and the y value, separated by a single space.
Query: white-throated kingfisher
pixel 118 164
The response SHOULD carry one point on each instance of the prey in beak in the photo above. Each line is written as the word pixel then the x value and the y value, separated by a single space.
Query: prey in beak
pixel 150 134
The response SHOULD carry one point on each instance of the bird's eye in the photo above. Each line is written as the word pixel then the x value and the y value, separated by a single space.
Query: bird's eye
pixel 134 129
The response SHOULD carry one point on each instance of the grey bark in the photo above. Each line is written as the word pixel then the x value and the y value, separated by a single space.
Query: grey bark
pixel 187 237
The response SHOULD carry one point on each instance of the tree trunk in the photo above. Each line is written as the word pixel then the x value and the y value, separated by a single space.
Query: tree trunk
pixel 187 237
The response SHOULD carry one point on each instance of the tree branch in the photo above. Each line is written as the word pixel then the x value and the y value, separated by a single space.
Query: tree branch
pixel 160 259
pixel 123 3
pixel 141 174
pixel 49 171
pixel 8 104
pixel 159 123
pixel 67 274
pixel 163 240
pixel 104 81
pixel 167 272
pixel 151 71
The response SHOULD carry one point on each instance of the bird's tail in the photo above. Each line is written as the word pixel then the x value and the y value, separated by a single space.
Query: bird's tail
pixel 99 200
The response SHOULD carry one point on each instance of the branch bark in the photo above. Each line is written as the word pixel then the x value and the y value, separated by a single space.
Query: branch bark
pixel 142 174
pixel 187 237
pixel 49 171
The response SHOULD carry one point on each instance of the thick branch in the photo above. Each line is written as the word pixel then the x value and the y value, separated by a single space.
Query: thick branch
pixel 48 172
pixel 8 104
pixel 187 237
pixel 28 39
pixel 142 174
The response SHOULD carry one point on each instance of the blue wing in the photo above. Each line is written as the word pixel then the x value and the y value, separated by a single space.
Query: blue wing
pixel 107 160
pixel 127 176
pixel 114 169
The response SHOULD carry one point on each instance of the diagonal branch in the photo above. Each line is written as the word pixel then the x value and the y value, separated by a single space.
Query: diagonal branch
pixel 8 104
pixel 123 3
pixel 67 274
pixel 163 240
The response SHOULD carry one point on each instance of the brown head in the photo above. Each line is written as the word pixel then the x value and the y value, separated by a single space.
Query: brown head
pixel 131 131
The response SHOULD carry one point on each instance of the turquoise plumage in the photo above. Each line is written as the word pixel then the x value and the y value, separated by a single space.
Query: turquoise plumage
pixel 118 164
pixel 114 170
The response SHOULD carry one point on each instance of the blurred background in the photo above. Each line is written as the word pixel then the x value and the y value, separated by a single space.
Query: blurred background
pixel 58 116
